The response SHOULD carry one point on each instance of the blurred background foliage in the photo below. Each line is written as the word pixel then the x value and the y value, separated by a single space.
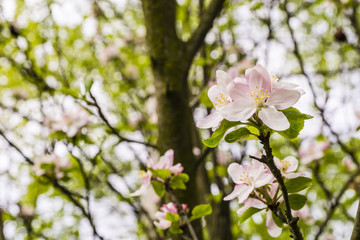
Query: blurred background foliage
pixel 65 61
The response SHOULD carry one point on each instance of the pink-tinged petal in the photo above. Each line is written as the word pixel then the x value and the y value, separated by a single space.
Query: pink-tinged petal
pixel 293 175
pixel 274 119
pixel 287 85
pixel 283 98
pixel 236 171
pixel 273 229
pixel 258 78
pixel 294 163
pixel 176 169
pixel 238 111
pixel 265 178
pixel 273 189
pixel 277 163
pixel 223 79
pixel 149 162
pixel 214 92
pixel 248 203
pixel 210 121
pixel 238 190
pixel 245 194
pixel 141 191
pixel 238 91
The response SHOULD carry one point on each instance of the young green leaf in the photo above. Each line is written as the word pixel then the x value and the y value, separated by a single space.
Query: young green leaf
pixel 297 201
pixel 295 185
pixel 175 228
pixel 178 181
pixel 296 120
pixel 200 211
pixel 237 135
pixel 248 213
pixel 172 217
pixel 219 133
pixel 159 188
pixel 160 173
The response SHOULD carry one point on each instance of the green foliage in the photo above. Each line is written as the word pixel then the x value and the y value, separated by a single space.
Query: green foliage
pixel 178 181
pixel 296 119
pixel 172 217
pixel 160 173
pixel 248 213
pixel 237 135
pixel 200 211
pixel 295 185
pixel 215 138
pixel 159 188
pixel 297 201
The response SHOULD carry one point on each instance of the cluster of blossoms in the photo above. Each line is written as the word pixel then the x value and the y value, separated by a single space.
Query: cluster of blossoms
pixel 170 207
pixel 257 95
pixel 71 120
pixel 165 162
pixel 256 187
pixel 53 163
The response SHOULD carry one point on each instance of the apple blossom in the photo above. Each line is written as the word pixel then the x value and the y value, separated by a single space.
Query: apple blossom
pixel 260 95
pixel 219 97
pixel 288 166
pixel 170 207
pixel 248 178
pixel 312 150
pixel 165 162
pixel 53 159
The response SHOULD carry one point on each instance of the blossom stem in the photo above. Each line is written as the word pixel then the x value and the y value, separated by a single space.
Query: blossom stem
pixel 268 159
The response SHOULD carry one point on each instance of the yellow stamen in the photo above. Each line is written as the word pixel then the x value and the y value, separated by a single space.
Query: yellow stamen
pixel 221 101
pixel 285 165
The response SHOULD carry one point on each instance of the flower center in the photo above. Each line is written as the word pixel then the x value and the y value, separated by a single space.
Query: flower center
pixel 259 95
pixel 221 101
pixel 143 174
pixel 285 165
pixel 244 177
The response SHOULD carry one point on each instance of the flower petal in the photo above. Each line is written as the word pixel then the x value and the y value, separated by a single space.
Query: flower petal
pixel 235 171
pixel 286 85
pixel 277 163
pixel 238 190
pixel 238 91
pixel 283 98
pixel 214 93
pixel 238 111
pixel 294 163
pixel 248 203
pixel 258 77
pixel 245 194
pixel 210 121
pixel 274 119
pixel 223 79
pixel 273 229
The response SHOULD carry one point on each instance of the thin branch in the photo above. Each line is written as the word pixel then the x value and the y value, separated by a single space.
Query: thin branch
pixel 206 22
pixel 112 129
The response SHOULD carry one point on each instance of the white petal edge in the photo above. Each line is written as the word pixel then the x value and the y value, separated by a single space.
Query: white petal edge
pixel 274 119
pixel 210 121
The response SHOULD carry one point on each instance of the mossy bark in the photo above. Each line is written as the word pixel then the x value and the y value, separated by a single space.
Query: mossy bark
pixel 171 59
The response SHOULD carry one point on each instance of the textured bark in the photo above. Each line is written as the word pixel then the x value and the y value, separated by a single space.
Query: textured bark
pixel 171 59
pixel 356 231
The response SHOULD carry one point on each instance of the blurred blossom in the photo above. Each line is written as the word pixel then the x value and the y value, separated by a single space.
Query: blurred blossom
pixel 349 164
pixel 170 207
pixel 304 214
pixel 19 94
pixel 239 69
pixel 26 211
pixel 223 158
pixel 312 150
pixel 70 121
pixel 51 161
pixel 196 151
pixel 108 53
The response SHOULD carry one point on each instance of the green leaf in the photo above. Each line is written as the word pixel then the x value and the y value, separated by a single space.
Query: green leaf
pixel 200 211
pixel 219 133
pixel 160 173
pixel 204 99
pixel 159 188
pixel 297 201
pixel 277 220
pixel 172 217
pixel 248 213
pixel 296 120
pixel 297 184
pixel 253 131
pixel 175 228
pixel 237 135
pixel 178 181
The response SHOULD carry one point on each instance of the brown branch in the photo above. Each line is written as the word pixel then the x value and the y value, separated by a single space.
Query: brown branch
pixel 206 22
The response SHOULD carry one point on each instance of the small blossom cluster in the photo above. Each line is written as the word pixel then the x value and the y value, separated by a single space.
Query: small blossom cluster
pixel 160 216
pixel 257 95
pixel 165 162
pixel 255 186
pixel 56 163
